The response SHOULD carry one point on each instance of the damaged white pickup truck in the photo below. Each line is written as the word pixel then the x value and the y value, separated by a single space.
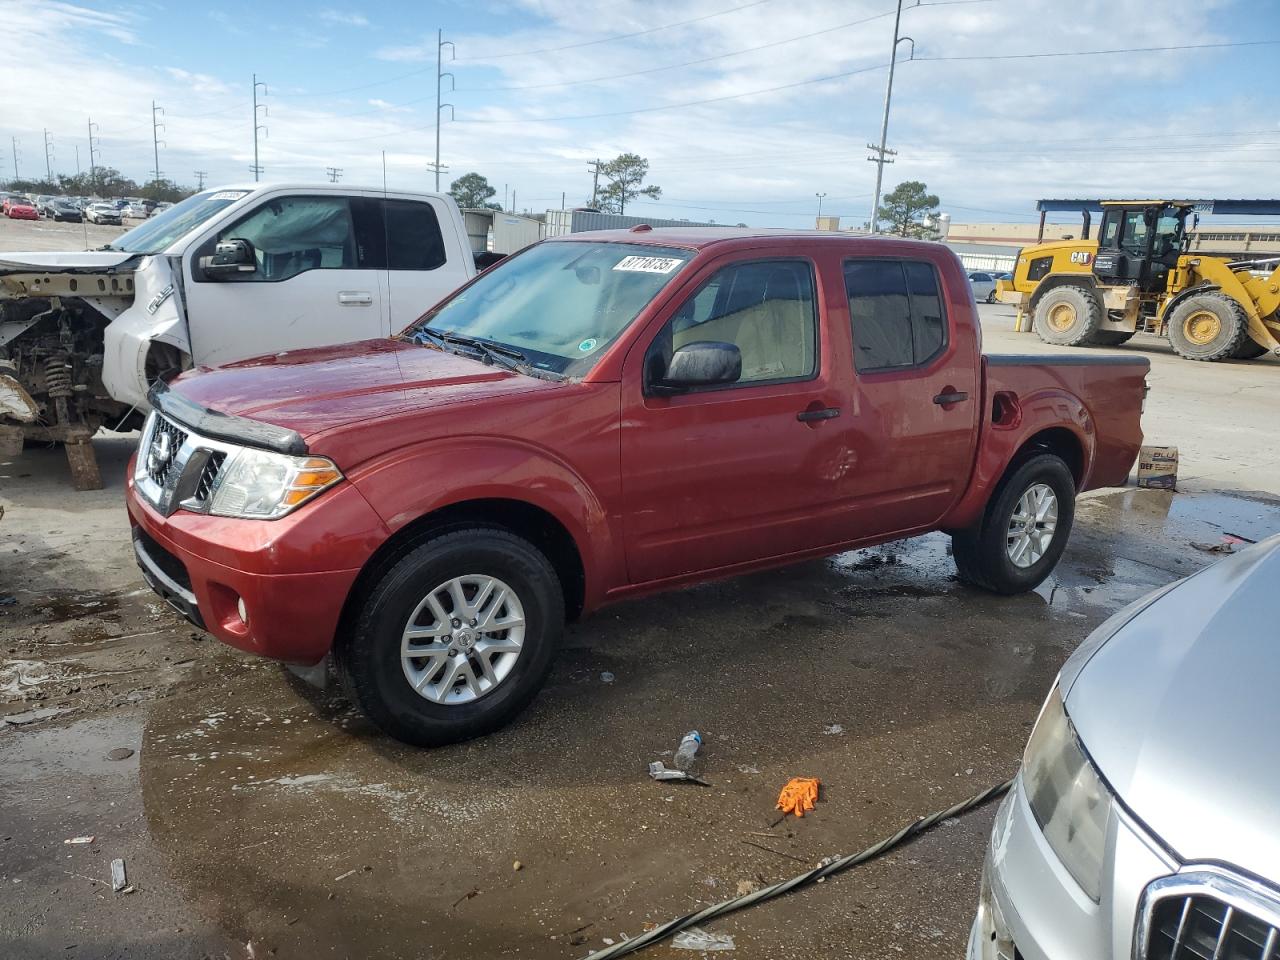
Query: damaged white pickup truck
pixel 224 275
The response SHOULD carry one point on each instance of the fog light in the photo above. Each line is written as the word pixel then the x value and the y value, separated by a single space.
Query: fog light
pixel 244 614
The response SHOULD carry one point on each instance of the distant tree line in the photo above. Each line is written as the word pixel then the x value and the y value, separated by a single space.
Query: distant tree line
pixel 105 182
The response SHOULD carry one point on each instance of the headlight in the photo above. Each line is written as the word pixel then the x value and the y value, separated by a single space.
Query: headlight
pixel 266 485
pixel 1068 798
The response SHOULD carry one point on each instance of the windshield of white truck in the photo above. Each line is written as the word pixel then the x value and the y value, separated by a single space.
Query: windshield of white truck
pixel 168 226
pixel 559 305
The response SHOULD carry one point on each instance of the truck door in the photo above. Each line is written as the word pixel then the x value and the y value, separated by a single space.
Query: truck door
pixel 426 256
pixel 742 471
pixel 315 281
pixel 915 409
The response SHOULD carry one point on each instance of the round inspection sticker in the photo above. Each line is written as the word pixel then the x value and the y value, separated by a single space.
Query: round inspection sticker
pixel 586 346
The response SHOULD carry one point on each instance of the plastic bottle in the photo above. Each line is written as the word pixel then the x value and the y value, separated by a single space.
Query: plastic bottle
pixel 687 750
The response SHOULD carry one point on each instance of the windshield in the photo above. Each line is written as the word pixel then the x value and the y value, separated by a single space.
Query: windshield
pixel 167 226
pixel 560 303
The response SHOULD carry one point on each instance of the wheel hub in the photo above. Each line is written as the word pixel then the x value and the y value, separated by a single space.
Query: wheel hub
pixel 1062 316
pixel 1202 327
pixel 1033 525
pixel 462 639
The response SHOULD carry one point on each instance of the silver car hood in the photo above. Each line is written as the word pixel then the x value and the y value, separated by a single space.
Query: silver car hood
pixel 1180 713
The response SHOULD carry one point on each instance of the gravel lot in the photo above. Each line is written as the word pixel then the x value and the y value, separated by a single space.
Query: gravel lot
pixel 257 811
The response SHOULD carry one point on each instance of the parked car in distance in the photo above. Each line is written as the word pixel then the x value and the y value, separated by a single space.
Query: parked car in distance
pixel 135 210
pixel 103 213
pixel 983 285
pixel 20 208
pixel 160 207
pixel 60 209
pixel 602 416
pixel 1138 827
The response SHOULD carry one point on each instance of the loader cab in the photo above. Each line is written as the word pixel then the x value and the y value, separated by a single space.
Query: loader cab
pixel 1139 243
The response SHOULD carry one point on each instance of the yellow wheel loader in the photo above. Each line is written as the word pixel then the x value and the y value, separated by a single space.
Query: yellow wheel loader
pixel 1138 276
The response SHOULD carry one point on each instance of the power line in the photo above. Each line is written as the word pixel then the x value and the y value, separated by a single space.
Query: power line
pixel 620 36
pixel 1099 53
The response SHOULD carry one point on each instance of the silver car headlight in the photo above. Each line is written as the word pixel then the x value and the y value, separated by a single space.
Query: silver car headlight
pixel 264 485
pixel 1069 800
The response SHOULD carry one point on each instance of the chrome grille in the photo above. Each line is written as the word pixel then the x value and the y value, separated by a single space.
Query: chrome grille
pixel 209 476
pixel 1209 915
pixel 160 457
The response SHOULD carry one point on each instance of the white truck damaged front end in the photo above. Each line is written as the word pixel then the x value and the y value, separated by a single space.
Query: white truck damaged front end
pixel 149 340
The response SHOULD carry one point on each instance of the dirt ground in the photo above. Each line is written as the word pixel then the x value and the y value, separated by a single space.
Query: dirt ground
pixel 259 817
pixel 50 235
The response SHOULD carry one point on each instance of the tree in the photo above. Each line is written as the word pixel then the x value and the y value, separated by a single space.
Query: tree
pixel 472 190
pixel 623 176
pixel 906 208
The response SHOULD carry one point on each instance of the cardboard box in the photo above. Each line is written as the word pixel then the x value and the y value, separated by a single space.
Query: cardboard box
pixel 1158 468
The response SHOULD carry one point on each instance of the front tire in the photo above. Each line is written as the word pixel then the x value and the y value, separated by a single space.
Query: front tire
pixel 1068 316
pixel 456 638
pixel 1208 326
pixel 1024 530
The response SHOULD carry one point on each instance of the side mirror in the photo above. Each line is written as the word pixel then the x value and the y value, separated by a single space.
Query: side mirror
pixel 230 258
pixel 700 364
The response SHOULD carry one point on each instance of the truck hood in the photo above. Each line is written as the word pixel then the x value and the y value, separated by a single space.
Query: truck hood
pixel 312 391
pixel 67 261
pixel 1178 711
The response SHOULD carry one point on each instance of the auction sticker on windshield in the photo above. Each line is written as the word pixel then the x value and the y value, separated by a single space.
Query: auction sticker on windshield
pixel 648 264
pixel 229 194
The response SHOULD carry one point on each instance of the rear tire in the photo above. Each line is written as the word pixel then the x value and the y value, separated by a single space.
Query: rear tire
pixel 1208 326
pixel 1068 316
pixel 1008 551
pixel 1249 349
pixel 1112 338
pixel 459 699
pixel 991 297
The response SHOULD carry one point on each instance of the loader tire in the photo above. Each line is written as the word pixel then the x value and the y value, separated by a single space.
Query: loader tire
pixel 1068 316
pixel 1249 349
pixel 1208 326
pixel 1112 338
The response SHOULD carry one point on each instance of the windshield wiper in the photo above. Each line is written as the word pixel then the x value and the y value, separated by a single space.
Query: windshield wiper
pixel 489 352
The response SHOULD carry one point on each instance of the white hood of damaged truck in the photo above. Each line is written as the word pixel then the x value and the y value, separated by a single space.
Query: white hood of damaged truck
pixel 64 260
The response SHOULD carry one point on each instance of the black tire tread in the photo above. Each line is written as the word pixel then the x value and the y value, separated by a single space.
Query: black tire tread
pixel 1088 308
pixel 1227 309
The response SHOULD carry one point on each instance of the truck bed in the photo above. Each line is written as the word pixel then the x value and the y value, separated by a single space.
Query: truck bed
pixel 1100 394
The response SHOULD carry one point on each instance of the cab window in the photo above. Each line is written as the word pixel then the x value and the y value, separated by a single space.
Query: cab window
pixel 895 308
pixel 291 235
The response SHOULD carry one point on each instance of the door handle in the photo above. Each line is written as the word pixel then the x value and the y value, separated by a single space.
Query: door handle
pixel 826 413
pixel 355 297
pixel 943 399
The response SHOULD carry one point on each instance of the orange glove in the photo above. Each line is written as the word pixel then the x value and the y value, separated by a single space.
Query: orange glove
pixel 799 795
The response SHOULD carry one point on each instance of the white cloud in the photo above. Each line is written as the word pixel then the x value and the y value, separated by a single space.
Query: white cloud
pixel 344 18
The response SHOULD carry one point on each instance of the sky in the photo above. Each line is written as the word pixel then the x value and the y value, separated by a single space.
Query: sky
pixel 745 110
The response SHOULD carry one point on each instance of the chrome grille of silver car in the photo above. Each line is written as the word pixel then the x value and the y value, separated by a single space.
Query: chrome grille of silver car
pixel 1209 915
pixel 1203 928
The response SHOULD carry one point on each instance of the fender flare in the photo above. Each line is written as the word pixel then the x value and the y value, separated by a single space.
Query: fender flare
pixel 1186 294
pixel 1055 280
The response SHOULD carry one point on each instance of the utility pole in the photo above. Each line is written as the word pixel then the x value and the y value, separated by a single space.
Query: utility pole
pixel 156 127
pixel 881 153
pixel 48 157
pixel 333 173
pixel 513 199
pixel 77 161
pixel 441 43
pixel 93 151
pixel 200 175
pixel 256 169
pixel 504 197
pixel 594 167
pixel 15 158
pixel 819 196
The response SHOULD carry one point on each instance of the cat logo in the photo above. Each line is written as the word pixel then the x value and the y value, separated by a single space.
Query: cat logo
pixel 1081 256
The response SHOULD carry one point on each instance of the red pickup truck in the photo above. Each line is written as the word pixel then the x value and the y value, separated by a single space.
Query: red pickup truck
pixel 598 417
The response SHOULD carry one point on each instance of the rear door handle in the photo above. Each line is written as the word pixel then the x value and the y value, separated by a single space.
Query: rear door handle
pixel 355 297
pixel 943 399
pixel 826 413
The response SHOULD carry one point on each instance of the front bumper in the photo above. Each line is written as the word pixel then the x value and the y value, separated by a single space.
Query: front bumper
pixel 1030 908
pixel 292 575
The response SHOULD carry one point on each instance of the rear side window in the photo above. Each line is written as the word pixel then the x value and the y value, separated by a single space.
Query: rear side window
pixel 414 241
pixel 896 312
